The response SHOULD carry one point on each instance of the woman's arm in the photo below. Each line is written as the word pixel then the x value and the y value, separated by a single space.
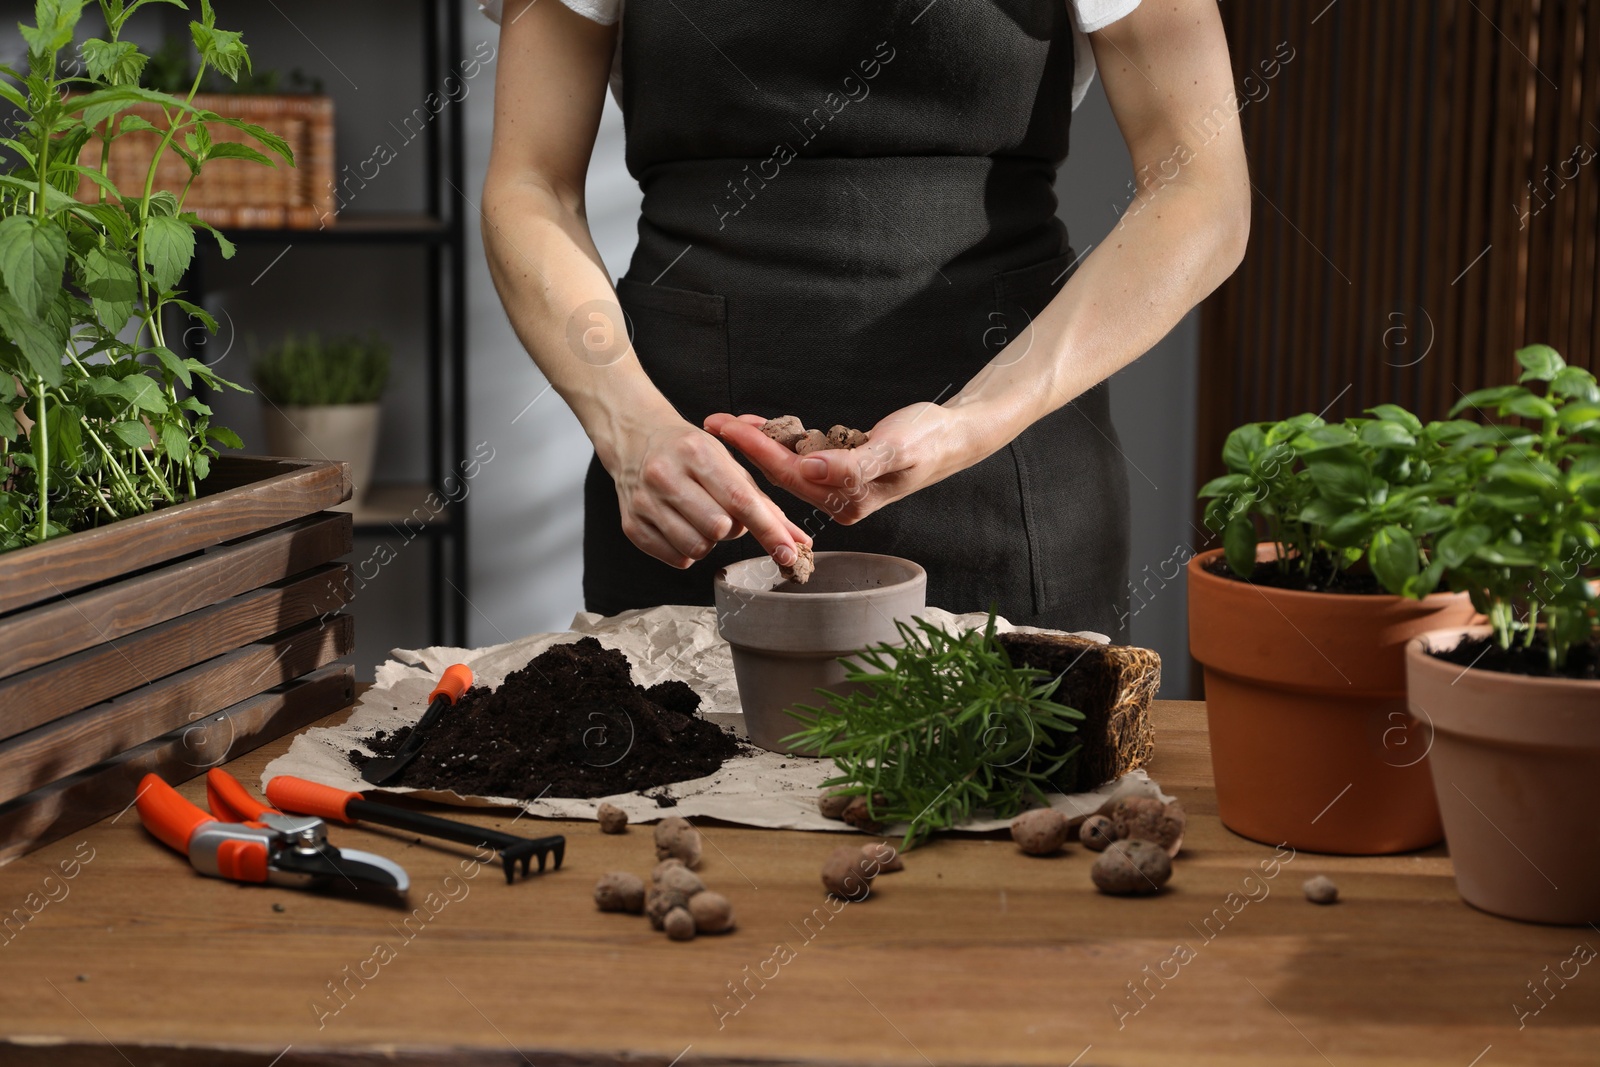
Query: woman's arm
pixel 679 488
pixel 1167 76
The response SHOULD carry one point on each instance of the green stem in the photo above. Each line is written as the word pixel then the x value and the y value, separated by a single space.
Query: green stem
pixel 41 454
pixel 166 490
pixel 118 474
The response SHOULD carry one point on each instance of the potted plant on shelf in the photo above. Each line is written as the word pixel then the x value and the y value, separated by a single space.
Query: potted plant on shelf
pixel 1302 632
pixel 320 400
pixel 1515 704
pixel 154 591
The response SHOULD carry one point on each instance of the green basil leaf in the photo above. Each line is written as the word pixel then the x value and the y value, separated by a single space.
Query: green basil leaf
pixel 1339 474
pixel 1530 407
pixel 1393 557
pixel 1461 544
pixel 1396 414
pixel 1239 545
pixel 1540 362
pixel 1484 399
pixel 1387 435
pixel 1242 446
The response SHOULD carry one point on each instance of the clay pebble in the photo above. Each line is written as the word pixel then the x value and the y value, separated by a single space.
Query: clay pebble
pixel 885 855
pixel 787 430
pixel 612 819
pixel 712 913
pixel 660 900
pixel 845 437
pixel 805 563
pixel 1148 819
pixel 848 872
pixel 859 814
pixel 813 441
pixel 675 838
pixel 619 891
pixel 1096 832
pixel 832 804
pixel 1131 868
pixel 1320 890
pixel 679 924
pixel 1040 832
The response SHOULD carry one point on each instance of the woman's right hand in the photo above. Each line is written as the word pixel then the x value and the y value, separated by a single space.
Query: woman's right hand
pixel 681 491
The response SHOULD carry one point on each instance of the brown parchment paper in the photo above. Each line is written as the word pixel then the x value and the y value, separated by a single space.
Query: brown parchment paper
pixel 758 789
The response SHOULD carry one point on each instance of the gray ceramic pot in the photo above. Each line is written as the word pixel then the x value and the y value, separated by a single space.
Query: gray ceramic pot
pixel 787 638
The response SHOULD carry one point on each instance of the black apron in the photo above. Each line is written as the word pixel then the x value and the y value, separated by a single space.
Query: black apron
pixel 849 208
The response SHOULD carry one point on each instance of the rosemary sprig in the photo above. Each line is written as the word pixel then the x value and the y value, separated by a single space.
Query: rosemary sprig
pixel 939 727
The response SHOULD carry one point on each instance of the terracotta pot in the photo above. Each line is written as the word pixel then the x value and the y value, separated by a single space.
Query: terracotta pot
pixel 1515 761
pixel 333 432
pixel 787 638
pixel 1311 742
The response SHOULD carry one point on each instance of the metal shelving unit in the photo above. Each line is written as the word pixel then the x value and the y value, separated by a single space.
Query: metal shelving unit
pixel 439 232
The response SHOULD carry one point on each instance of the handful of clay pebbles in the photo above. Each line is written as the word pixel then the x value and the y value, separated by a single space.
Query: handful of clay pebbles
pixel 677 901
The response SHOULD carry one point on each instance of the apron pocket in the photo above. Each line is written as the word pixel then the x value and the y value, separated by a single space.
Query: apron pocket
pixel 1019 296
pixel 681 340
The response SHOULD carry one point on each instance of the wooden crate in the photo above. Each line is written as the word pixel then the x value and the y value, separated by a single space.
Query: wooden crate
pixel 169 642
pixel 238 193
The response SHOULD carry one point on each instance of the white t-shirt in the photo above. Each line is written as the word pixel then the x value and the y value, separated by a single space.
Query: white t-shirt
pixel 1087 17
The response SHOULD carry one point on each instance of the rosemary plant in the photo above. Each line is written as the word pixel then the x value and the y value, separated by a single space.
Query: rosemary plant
pixel 940 727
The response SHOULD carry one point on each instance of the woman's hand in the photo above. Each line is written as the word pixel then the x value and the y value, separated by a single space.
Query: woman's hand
pixel 680 492
pixel 907 450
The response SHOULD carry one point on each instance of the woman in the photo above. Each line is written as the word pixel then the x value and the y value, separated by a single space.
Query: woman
pixel 849 216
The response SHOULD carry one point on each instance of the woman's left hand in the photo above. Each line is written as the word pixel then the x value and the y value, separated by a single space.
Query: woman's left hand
pixel 908 449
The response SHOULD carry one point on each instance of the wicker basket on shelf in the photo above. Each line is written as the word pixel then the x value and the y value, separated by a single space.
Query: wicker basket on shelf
pixel 239 193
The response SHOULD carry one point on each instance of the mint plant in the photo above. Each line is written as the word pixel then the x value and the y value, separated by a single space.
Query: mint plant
pixel 1335 496
pixel 1524 534
pixel 94 427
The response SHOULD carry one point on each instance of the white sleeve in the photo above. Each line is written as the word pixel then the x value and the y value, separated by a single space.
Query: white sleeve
pixel 604 12
pixel 1092 15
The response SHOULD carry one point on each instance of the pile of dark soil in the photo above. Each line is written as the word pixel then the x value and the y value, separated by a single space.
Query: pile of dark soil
pixel 1485 654
pixel 1322 580
pixel 570 724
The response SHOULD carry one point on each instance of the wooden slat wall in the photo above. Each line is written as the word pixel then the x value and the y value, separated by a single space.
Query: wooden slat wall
pixel 1388 154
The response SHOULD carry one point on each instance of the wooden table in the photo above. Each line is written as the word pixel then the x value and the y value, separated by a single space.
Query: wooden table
pixel 974 954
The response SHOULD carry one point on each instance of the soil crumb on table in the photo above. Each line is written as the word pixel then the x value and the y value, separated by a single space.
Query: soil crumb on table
pixel 570 724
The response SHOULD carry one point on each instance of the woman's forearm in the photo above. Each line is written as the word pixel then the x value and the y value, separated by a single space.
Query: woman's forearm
pixel 561 304
pixel 1176 244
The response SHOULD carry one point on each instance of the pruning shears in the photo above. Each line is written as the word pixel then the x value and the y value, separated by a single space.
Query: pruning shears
pixel 244 840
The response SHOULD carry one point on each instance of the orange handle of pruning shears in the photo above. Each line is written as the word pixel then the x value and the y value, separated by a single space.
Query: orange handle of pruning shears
pixel 230 801
pixel 167 815
pixel 310 798
pixel 457 679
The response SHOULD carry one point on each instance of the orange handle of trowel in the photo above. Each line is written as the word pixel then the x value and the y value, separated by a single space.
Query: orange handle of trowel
pixel 457 680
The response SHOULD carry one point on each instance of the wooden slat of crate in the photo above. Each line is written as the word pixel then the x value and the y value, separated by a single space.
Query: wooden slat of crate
pixel 252 495
pixel 84 738
pixel 84 678
pixel 72 624
pixel 74 802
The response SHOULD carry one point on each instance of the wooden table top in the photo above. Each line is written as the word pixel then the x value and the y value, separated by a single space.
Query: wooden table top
pixel 974 954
